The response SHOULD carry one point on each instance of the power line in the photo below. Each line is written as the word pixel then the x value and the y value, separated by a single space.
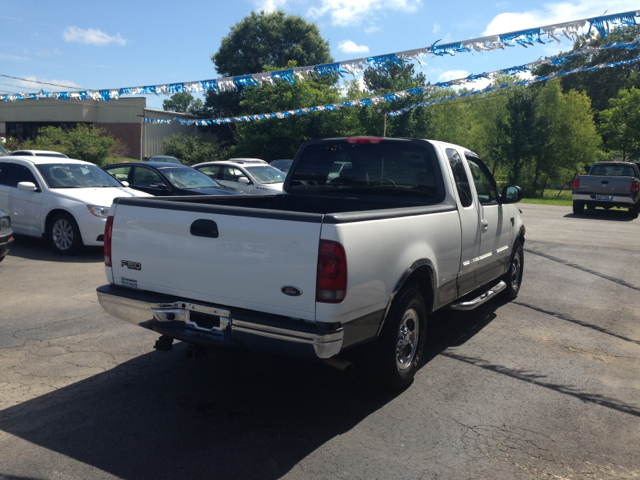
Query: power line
pixel 42 83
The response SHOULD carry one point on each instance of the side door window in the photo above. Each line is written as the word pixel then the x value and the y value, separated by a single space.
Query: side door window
pixel 211 171
pixel 484 183
pixel 460 177
pixel 120 173
pixel 19 173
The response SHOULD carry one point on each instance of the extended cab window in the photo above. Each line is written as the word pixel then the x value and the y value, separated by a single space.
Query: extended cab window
pixel 396 169
pixel 460 177
pixel 485 186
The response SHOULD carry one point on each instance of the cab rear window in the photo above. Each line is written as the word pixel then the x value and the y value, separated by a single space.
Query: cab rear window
pixel 387 169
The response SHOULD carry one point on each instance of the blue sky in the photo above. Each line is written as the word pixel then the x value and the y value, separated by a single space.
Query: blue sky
pixel 115 44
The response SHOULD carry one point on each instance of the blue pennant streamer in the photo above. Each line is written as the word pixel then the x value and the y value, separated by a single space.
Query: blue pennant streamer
pixel 210 85
pixel 328 69
pixel 602 24
pixel 284 75
pixel 245 81
pixel 104 94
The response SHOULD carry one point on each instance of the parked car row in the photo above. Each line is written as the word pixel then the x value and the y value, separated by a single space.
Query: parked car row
pixel 66 201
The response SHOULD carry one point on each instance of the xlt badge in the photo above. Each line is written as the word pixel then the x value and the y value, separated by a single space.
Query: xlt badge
pixel 131 265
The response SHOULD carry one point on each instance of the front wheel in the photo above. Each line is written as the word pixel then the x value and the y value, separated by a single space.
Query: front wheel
pixel 578 207
pixel 392 360
pixel 513 277
pixel 64 235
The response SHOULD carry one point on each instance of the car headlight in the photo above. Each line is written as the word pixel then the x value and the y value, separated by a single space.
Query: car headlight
pixel 98 211
pixel 5 224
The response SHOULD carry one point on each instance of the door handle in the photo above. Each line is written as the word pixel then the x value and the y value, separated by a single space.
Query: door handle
pixel 485 225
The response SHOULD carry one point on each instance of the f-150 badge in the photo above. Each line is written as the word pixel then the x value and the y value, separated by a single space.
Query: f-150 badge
pixel 291 291
pixel 131 265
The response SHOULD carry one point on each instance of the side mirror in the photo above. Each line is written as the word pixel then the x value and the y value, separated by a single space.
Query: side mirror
pixel 244 180
pixel 27 187
pixel 511 194
pixel 587 168
pixel 124 182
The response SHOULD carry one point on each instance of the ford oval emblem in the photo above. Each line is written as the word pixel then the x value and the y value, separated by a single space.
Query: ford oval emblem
pixel 291 291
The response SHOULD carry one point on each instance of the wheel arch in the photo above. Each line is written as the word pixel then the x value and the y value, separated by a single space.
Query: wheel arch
pixel 51 215
pixel 421 274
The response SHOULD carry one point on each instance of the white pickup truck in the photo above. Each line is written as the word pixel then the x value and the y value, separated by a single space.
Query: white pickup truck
pixel 334 263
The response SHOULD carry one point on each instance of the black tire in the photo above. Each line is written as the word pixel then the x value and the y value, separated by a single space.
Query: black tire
pixel 63 234
pixel 591 206
pixel 633 212
pixel 392 360
pixel 578 207
pixel 513 277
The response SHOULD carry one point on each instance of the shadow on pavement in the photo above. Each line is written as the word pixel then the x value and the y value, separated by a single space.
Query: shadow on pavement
pixel 33 248
pixel 234 415
pixel 613 215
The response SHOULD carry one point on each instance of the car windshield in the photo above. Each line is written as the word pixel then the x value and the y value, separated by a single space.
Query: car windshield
pixel 283 165
pixel 3 151
pixel 69 175
pixel 165 159
pixel 266 174
pixel 189 178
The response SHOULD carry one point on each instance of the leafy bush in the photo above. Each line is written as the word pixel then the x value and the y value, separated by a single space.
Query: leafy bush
pixel 191 149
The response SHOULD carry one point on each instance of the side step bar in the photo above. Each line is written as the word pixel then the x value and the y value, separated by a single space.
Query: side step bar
pixel 476 302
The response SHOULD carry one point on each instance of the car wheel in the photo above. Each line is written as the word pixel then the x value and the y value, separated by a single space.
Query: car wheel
pixel 513 277
pixel 578 207
pixel 64 235
pixel 591 206
pixel 633 212
pixel 392 360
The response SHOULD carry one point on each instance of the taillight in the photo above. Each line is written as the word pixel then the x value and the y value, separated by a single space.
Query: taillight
pixel 332 273
pixel 634 186
pixel 576 184
pixel 107 241
pixel 362 140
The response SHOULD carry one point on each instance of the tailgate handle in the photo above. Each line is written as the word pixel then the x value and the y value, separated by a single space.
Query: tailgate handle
pixel 204 228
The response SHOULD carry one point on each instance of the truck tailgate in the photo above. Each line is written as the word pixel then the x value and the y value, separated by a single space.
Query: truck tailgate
pixel 604 185
pixel 225 259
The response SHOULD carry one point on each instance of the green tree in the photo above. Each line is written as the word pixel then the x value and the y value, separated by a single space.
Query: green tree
pixel 599 85
pixel 260 41
pixel 191 149
pixel 84 142
pixel 620 124
pixel 281 138
pixel 183 102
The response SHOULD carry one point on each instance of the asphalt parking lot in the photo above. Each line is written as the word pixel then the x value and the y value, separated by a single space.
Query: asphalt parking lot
pixel 547 386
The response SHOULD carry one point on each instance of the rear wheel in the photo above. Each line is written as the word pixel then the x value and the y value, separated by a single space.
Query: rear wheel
pixel 64 235
pixel 392 360
pixel 578 207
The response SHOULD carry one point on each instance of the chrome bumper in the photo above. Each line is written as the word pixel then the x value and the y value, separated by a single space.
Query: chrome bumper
pixel 610 199
pixel 220 326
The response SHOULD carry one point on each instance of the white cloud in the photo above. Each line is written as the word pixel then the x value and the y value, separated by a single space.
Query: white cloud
pixel 552 13
pixel 436 28
pixel 453 75
pixel 346 13
pixel 271 5
pixel 34 85
pixel 91 36
pixel 7 56
pixel 347 46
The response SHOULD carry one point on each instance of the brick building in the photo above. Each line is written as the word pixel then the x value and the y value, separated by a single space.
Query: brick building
pixel 122 118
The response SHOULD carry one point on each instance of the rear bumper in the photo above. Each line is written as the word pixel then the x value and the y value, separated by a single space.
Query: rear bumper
pixel 219 326
pixel 612 200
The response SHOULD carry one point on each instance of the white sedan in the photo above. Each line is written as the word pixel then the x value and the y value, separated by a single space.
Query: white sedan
pixel 65 201
pixel 247 175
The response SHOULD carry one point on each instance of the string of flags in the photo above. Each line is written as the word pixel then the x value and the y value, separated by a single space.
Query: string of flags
pixel 526 38
pixel 390 97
